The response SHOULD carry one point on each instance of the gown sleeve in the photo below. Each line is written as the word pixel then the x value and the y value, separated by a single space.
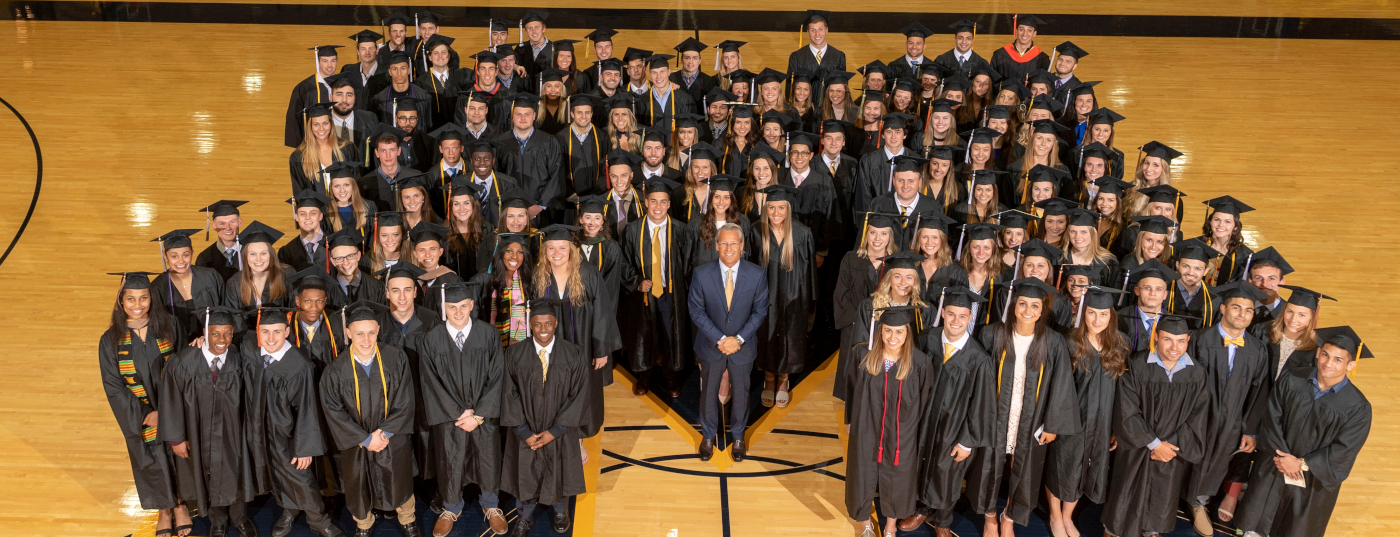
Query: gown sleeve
pixel 307 440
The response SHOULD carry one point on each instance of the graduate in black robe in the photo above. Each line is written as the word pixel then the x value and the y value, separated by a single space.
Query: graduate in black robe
pixel 403 328
pixel 464 254
pixel 590 322
pixel 282 422
pixel 815 203
pixel 430 245
pixel 600 250
pixel 806 60
pixel 349 282
pixel 311 90
pixel 536 164
pixel 1237 379
pixel 441 87
pixel 875 174
pixel 1313 434
pixel 1193 259
pixel 542 405
pixel 899 274
pixel 184 289
pixel 222 254
pixel 1076 465
pixel 659 334
pixel 367 397
pixel 782 338
pixel 959 417
pixel 202 420
pixel 859 276
pixel 651 110
pixel 582 169
pixel 703 249
pixel 949 61
pixel 1136 320
pixel 131 356
pixel 879 458
pixel 1044 401
pixel 308 248
pixel 1159 420
pixel 460 370
pixel 1016 60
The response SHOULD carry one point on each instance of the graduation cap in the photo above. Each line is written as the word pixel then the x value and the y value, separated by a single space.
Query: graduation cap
pixel 610 64
pixel 622 156
pixel 315 110
pixel 983 68
pixel 933 220
pixel 916 29
pixel 522 239
pixel 553 75
pixel 1159 150
pixel 1093 149
pixel 894 317
pixel 1056 206
pixel 179 238
pixel 1014 219
pixel 270 315
pixel 314 277
pixel 657 61
pixel 345 237
pixel 905 84
pixel 1014 86
pixel 1345 338
pixel 1305 297
pixel 661 185
pixel 1099 298
pixel 516 198
pixel 498 25
pixel 363 310
pixel 462 185
pixel 704 151
pixel 1195 250
pixel 718 95
pixel 909 163
pixel 725 182
pixel 770 75
pixel 1027 20
pixel 455 292
pixel 388 218
pixel 601 35
pixel 780 193
pixel 779 118
pixel 367 36
pixel 998 111
pixel 814 15
pixel 437 39
pixel 1083 88
pixel 1046 174
pixel 943 152
pixel 596 204
pixel 1029 288
pixel 1270 256
pixel 325 51
pixel 635 54
pixel 1048 126
pixel 428 17
pixel 1045 102
pixel 980 135
pixel 872 95
pixel 1083 217
pixel 428 231
pixel 465 98
pixel 880 221
pixel 876 66
pixel 985 177
pixel 1154 224
pixel 401 270
pixel 842 78
pixel 396 17
pixel 981 231
pixel 585 99
pixel 691 44
pixel 1152 269
pixel 802 138
pixel 524 100
pixel 259 232
pixel 1070 49
pixel 942 105
pixel 1161 194
pixel 344 168
pixel 218 316
pixel 1040 248
pixel 620 100
pixel 964 25
pixel 564 45
pixel 559 232
pixel 136 280
pixel 1228 205
pixel 1175 325
pixel 385 128
pixel 730 45
pixel 1104 116
pixel 310 197
pixel 1113 185
pixel 686 120
pixel 656 133
pixel 900 120
pixel 534 15
pixel 956 296
pixel 1093 272
pixel 1240 289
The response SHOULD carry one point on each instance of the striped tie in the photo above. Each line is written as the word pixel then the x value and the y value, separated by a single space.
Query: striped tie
pixel 544 366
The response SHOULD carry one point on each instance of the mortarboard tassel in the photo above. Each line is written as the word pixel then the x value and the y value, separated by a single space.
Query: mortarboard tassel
pixel 207 225
pixel 1126 275
pixel 870 342
pixel 938 315
pixel 1080 316
pixel 961 236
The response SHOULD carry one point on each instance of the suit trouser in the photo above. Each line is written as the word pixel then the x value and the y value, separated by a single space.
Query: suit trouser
pixel 219 515
pixel 405 515
pixel 712 373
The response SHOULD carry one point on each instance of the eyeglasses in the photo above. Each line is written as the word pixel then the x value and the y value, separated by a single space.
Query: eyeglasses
pixel 345 258
pixel 800 153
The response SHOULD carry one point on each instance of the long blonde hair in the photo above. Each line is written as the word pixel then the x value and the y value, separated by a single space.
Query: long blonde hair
pixel 766 242
pixel 1096 249
pixel 944 255
pixel 881 297
pixel 874 362
pixel 1306 343
pixel 890 248
pixel 633 139
pixel 561 111
pixel 1137 202
pixel 310 151
pixel 358 208
pixel 949 138
pixel 376 252
pixel 544 275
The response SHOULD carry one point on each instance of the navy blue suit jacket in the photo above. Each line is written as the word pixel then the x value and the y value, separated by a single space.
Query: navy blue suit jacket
pixel 713 321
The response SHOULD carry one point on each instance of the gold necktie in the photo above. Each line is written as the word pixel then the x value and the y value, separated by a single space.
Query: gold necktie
pixel 729 288
pixel 833 169
pixel 310 333
pixel 657 287
pixel 544 366
pixel 818 54
pixel 948 350
pixel 1238 342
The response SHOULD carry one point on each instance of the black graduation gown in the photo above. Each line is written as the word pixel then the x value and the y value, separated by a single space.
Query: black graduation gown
pixel 468 261
pixel 1130 323
pixel 592 327
pixel 879 458
pixel 702 252
pixel 152 467
pixel 857 280
pixel 407 338
pixel 382 480
pixel 1239 397
pixel 904 234
pixel 305 93
pixel 540 403
pixel 960 412
pixel 365 88
pixel 1230 267
pixel 782 338
pixel 945 276
pixel 368 288
pixel 443 97
pixel 453 381
pixel 533 63
pixel 325 343
pixel 1048 401
pixel 816 207
pixel 873 179
pixel 206 290
pixel 1328 433
pixel 923 323
pixel 1299 359
pixel 653 113
pixel 606 257
pixel 491 206
pixel 209 416
pixel 1074 161
pixel 537 168
pixel 430 292
pixel 1077 465
pixel 844 181
pixel 1002 61
pixel 697 89
pixel 440 177
pixel 1205 305
pixel 212 258
pixel 282 421
pixel 645 339
pixel 582 172
pixel 293 254
pixel 375 188
pixel 804 60
pixel 382 105
pixel 232 295
pixel 949 62
pixel 1143 493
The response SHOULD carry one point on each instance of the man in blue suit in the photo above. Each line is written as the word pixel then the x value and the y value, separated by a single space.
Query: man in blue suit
pixel 728 301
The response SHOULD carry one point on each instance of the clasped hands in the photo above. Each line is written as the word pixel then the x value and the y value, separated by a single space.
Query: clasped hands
pixel 729 345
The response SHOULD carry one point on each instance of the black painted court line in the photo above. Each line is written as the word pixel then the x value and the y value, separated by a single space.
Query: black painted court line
pixel 724 504
pixel 454 17
pixel 651 465
pixel 807 433
pixel 38 180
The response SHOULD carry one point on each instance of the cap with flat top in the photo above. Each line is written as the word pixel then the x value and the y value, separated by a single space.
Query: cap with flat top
pixel 1345 338
pixel 1305 297
pixel 259 232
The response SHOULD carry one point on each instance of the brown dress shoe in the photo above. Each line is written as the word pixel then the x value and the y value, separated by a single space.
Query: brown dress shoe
pixel 499 526
pixel 707 449
pixel 739 451
pixel 912 523
pixel 942 532
pixel 444 524
pixel 639 388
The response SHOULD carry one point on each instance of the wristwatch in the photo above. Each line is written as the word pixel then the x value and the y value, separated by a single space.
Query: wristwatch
pixel 479 420
pixel 1304 463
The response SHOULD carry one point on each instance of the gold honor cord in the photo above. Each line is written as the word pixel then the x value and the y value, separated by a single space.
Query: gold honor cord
pixel 382 380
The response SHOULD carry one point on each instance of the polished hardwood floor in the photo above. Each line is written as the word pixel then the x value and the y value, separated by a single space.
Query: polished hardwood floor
pixel 140 124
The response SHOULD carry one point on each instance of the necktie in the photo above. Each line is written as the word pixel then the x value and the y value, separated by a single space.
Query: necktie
pixel 729 288
pixel 351 290
pixel 657 284
pixel 267 360
pixel 214 368
pixel 452 172
pixel 948 350
pixel 310 250
pixel 544 366
pixel 1238 342
pixel 833 169
pixel 461 340
pixel 231 255
pixel 310 333
pixel 818 54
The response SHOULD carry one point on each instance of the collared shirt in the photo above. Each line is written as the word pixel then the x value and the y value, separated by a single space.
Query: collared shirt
pixel 1317 390
pixel 347 122
pixel 441 76
pixel 237 247
pixel 535 51
pixel 587 249
pixel 913 61
pixel 548 350
pixel 962 56
pixel 452 332
pixel 688 80
pixel 638 89
pixel 648 173
pixel 907 208
pixel 365 76
pixel 523 141
pixel 726 272
pixel 278 354
pixel 1185 361
pixel 960 343
pixel 365 367
pixel 1188 294
pixel 661 97
pixel 506 79
pixel 315 239
pixel 831 162
pixel 309 327
pixel 209 357
pixel 582 137
pixel 344 285
pixel 476 133
pixel 799 177
pixel 1147 319
pixel 891 156
pixel 651 229
pixel 1062 80
pixel 1231 348
pixel 484 182
pixel 818 52
pixel 459 167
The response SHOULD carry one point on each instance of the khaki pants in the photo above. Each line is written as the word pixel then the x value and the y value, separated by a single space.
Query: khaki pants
pixel 404 511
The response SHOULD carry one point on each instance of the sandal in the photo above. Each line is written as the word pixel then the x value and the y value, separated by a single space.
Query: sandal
pixel 169 519
pixel 783 395
pixel 766 397
pixel 183 530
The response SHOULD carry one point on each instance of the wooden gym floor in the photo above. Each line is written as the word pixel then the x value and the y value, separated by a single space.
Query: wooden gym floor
pixel 140 123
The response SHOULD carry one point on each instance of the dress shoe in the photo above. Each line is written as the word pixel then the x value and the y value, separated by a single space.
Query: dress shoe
pixel 707 449
pixel 560 522
pixel 522 528
pixel 942 532
pixel 411 530
pixel 674 386
pixel 444 524
pixel 331 531
pixel 283 526
pixel 1200 521
pixel 497 519
pixel 912 522
pixel 738 452
pixel 639 388
pixel 218 530
pixel 246 527
pixel 367 532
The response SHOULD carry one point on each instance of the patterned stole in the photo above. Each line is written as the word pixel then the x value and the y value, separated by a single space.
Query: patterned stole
pixel 127 367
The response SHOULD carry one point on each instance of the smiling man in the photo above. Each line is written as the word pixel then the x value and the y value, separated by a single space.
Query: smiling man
pixel 222 256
